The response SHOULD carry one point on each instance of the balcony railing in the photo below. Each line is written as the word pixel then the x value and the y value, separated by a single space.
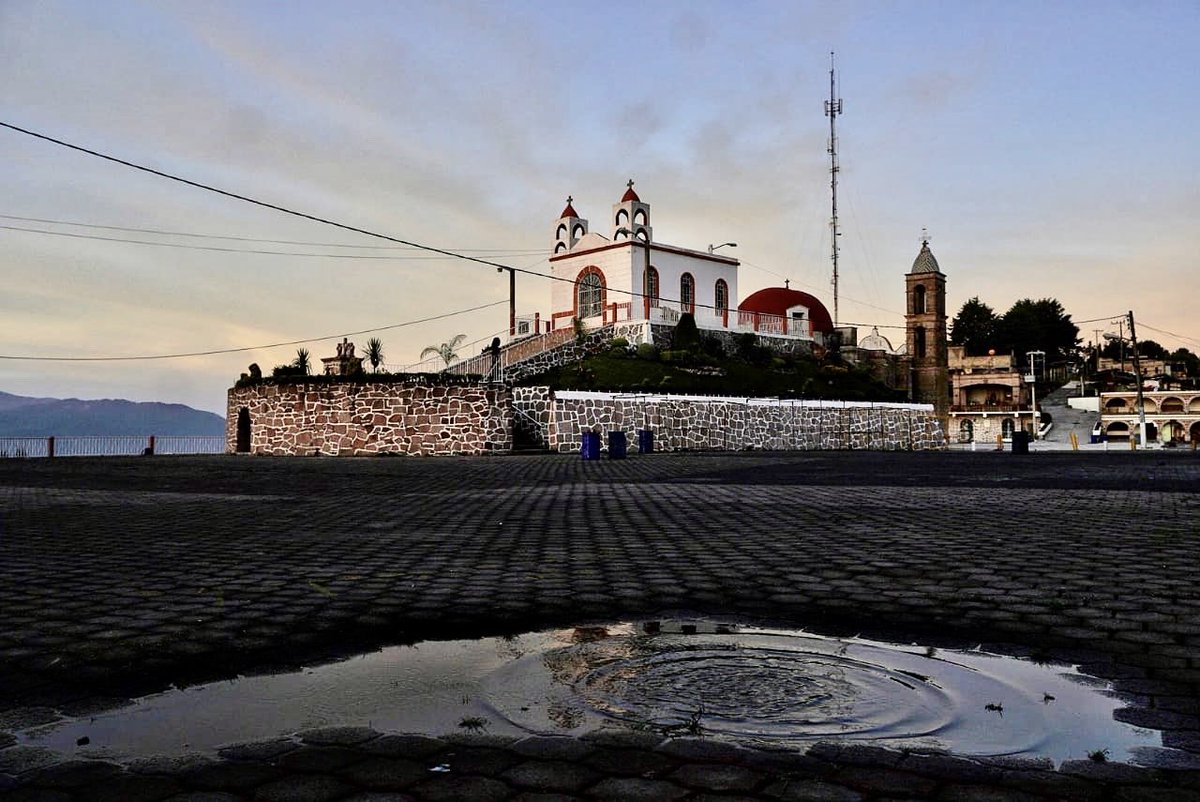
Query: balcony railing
pixel 110 446
pixel 993 407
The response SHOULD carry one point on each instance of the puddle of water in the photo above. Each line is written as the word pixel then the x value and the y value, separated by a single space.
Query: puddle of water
pixel 767 687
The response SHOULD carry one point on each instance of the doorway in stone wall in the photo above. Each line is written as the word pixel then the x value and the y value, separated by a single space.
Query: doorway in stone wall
pixel 243 431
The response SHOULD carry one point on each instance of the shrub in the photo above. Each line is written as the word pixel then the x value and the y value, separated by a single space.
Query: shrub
pixel 618 342
pixel 686 336
pixel 647 351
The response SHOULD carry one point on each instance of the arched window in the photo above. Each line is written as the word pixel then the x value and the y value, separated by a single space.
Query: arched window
pixel 589 294
pixel 578 231
pixel 1006 428
pixel 722 296
pixel 919 343
pixel 919 299
pixel 561 232
pixel 687 293
pixel 639 217
pixel 622 219
pixel 652 285
pixel 560 247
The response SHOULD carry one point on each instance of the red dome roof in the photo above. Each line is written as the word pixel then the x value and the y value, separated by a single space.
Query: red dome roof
pixel 630 195
pixel 778 300
pixel 568 212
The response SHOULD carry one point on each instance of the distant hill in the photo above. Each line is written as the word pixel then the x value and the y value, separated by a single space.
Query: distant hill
pixel 42 417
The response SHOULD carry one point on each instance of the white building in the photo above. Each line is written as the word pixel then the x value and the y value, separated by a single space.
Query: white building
pixel 628 276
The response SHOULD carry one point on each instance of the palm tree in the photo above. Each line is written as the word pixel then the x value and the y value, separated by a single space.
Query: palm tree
pixel 446 350
pixel 302 362
pixel 374 353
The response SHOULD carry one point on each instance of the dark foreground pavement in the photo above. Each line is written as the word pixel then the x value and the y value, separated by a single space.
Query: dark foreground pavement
pixel 119 577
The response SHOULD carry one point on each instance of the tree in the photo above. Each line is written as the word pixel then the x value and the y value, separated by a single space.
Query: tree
pixel 1152 350
pixel 976 328
pixel 1039 326
pixel 374 353
pixel 447 350
pixel 687 335
pixel 1190 362
pixel 302 363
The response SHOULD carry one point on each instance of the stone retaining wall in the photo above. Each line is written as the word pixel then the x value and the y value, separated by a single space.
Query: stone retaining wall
pixel 683 423
pixel 359 418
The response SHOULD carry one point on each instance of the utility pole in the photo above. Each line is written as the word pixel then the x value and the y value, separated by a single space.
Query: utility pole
pixel 512 299
pixel 1033 390
pixel 1137 371
pixel 833 107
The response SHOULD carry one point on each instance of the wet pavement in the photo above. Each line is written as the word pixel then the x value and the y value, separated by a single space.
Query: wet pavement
pixel 121 577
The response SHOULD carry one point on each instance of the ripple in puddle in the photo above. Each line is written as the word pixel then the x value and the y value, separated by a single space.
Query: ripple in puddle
pixel 760 686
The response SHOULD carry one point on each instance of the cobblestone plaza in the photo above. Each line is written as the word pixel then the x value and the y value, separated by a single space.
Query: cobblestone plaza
pixel 120 577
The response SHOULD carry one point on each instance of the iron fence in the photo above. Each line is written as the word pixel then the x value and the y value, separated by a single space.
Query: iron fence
pixel 110 446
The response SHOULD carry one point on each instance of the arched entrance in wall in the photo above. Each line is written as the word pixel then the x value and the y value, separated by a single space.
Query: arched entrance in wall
pixel 243 431
pixel 966 431
pixel 1151 432
pixel 1194 435
pixel 1006 428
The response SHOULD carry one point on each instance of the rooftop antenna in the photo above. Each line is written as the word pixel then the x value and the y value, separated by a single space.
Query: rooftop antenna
pixel 833 107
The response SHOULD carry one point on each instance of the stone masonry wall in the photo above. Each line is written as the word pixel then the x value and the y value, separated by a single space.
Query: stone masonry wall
pixel 418 418
pixel 694 423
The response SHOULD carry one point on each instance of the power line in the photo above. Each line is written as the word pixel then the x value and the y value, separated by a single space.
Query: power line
pixel 248 348
pixel 317 219
pixel 221 249
pixel 165 232
pixel 1179 337
pixel 264 204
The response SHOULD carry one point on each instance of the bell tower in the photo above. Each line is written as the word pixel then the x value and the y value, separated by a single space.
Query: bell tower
pixel 925 321
pixel 633 215
pixel 568 229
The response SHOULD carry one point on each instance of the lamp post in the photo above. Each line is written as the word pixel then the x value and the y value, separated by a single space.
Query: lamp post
pixel 645 269
pixel 712 248
pixel 512 299
pixel 1033 389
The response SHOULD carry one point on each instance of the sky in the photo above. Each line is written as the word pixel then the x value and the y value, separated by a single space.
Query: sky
pixel 1048 148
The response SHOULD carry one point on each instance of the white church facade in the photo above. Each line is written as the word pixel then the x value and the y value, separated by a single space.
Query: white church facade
pixel 628 276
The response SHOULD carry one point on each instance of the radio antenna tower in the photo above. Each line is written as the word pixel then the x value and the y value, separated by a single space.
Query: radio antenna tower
pixel 833 107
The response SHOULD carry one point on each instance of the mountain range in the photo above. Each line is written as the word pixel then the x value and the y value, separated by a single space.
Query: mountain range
pixel 21 416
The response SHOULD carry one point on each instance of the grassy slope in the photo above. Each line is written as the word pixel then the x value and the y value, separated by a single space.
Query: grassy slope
pixel 763 377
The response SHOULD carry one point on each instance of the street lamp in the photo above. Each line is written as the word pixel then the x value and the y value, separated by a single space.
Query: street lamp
pixel 1033 389
pixel 712 248
pixel 645 271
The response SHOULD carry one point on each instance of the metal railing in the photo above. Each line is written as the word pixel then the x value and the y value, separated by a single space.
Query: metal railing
pixel 110 446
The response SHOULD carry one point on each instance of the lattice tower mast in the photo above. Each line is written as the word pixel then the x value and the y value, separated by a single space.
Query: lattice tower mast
pixel 833 107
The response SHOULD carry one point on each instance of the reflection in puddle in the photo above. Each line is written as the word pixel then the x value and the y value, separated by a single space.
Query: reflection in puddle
pixel 769 687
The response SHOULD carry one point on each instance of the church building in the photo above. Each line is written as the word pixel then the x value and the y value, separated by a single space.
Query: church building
pixel 628 276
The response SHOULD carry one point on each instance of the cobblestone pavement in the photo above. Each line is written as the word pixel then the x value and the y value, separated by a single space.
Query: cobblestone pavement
pixel 119 577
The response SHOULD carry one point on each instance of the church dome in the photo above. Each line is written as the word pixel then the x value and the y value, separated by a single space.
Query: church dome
pixel 778 300
pixel 925 261
pixel 630 195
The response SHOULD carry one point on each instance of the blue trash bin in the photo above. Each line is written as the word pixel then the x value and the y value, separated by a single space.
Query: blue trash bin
pixel 645 441
pixel 591 445
pixel 616 445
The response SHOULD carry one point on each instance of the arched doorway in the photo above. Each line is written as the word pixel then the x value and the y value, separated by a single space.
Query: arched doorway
pixel 1172 432
pixel 243 431
pixel 966 431
pixel 1006 428
pixel 1194 435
